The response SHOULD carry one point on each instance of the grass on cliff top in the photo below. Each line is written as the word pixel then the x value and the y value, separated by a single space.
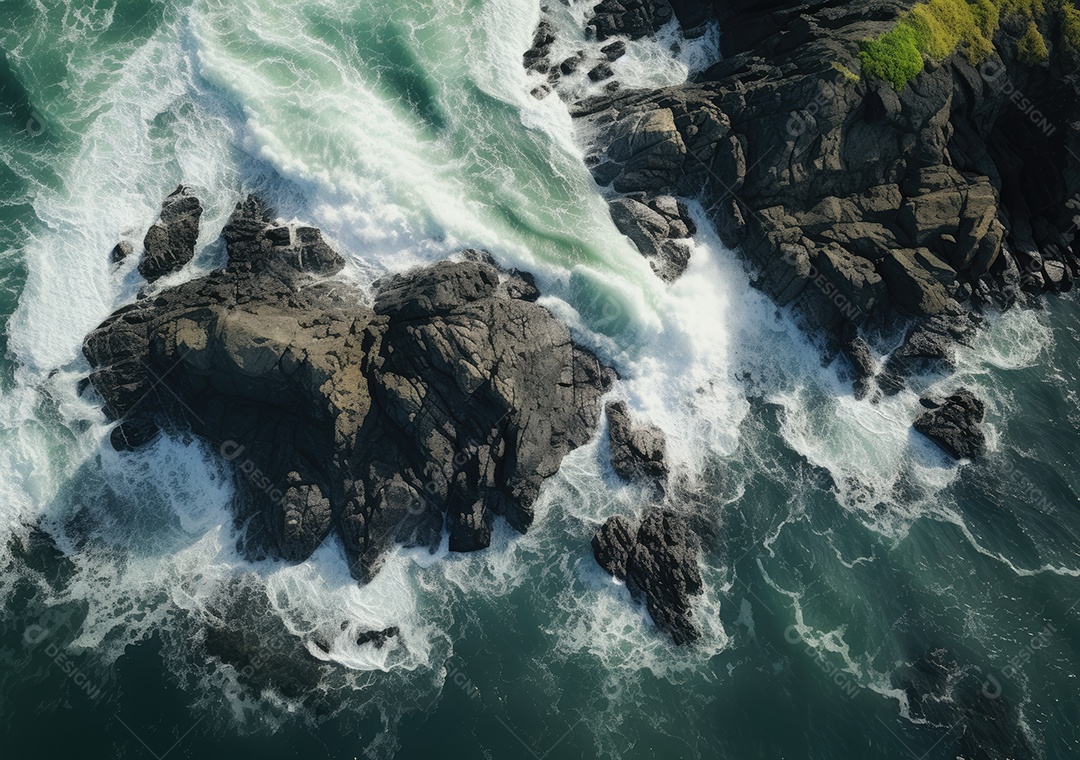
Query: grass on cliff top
pixel 936 28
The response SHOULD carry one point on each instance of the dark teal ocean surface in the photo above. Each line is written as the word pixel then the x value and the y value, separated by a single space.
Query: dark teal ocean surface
pixel 841 548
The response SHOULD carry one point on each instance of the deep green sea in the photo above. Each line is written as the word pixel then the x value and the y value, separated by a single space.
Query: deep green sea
pixel 840 546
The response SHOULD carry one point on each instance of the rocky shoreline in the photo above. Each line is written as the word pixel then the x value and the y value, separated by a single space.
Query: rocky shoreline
pixel 449 398
pixel 864 206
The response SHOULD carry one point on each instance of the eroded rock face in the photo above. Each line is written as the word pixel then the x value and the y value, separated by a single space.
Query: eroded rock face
pixel 636 451
pixel 658 560
pixel 940 198
pixel 954 424
pixel 660 227
pixel 632 18
pixel 170 243
pixel 447 401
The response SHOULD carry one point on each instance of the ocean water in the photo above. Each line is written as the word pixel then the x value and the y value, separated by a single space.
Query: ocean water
pixel 841 546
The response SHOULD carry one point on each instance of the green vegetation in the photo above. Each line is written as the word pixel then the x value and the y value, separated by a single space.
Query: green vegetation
pixel 849 75
pixel 935 29
pixel 894 57
pixel 1032 46
pixel 1070 27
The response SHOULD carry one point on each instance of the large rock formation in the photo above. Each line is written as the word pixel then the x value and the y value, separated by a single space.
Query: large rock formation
pixel 446 402
pixel 854 201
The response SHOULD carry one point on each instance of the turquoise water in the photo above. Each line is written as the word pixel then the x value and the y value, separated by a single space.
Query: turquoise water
pixel 842 547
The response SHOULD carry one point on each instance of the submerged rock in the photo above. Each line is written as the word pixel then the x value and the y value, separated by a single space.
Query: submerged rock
pixel 121 251
pixel 954 424
pixel 446 402
pixel 976 720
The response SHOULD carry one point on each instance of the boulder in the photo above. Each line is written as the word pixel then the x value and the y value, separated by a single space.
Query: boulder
pixel 614 51
pixel 170 243
pixel 635 451
pixel 954 424
pixel 659 563
pixel 861 361
pixel 121 251
pixel 660 228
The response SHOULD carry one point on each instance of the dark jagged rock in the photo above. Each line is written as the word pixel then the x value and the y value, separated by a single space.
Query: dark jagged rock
pixel 635 451
pixel 170 243
pixel 601 71
pixel 954 424
pixel 928 348
pixel 935 199
pixel 660 227
pixel 861 359
pixel 447 402
pixel 614 51
pixel 537 58
pixel 659 563
pixel 377 639
pixel 612 545
pixel 121 251
pixel 571 64
pixel 632 18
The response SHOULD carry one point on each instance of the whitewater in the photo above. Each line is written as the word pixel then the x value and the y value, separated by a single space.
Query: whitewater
pixel 405 133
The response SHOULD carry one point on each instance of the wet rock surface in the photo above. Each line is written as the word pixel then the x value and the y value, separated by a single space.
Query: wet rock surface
pixel 954 423
pixel 170 243
pixel 636 451
pixel 445 403
pixel 658 560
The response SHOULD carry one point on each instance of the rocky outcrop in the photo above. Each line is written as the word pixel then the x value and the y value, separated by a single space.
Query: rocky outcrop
pixel 929 347
pixel 658 560
pixel 170 243
pixel 636 452
pixel 954 424
pixel 630 18
pixel 660 227
pixel 446 402
pixel 378 639
pixel 854 202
